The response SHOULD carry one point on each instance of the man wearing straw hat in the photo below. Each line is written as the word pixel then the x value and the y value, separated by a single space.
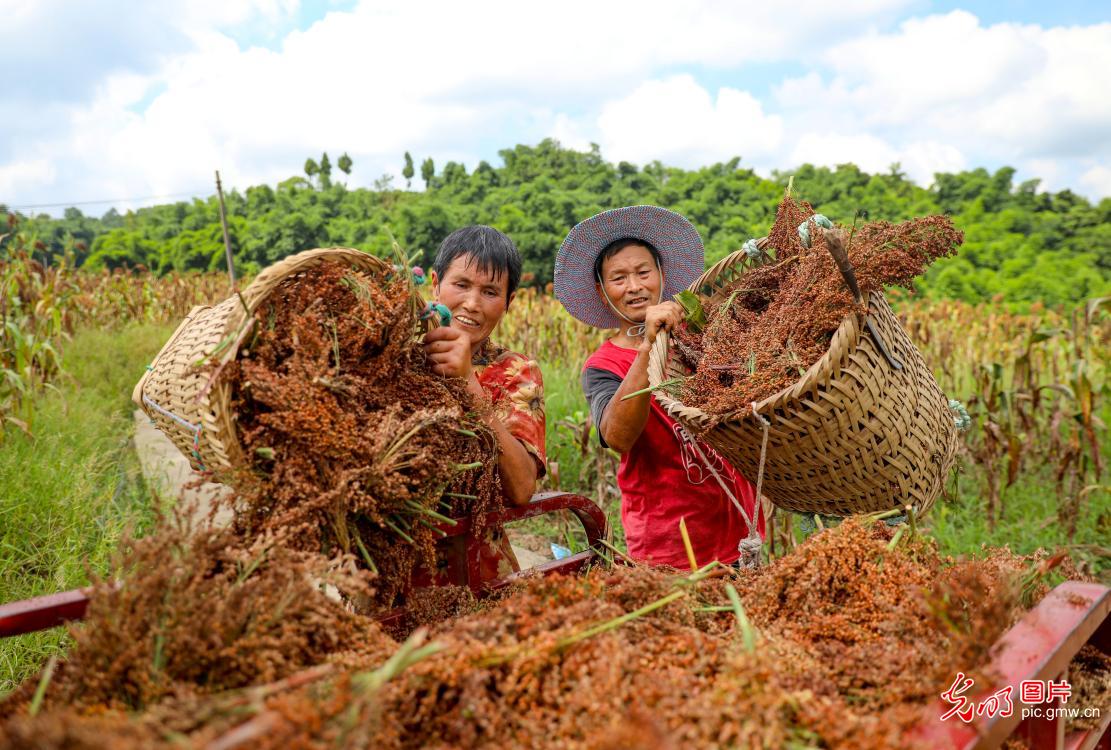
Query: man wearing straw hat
pixel 620 270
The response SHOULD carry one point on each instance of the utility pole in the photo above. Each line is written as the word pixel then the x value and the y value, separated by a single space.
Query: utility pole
pixel 224 224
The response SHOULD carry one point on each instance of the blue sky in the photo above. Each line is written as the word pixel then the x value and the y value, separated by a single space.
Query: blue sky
pixel 114 100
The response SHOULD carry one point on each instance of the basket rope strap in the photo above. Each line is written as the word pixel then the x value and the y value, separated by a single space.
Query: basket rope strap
pixel 196 429
pixel 961 419
pixel 749 547
pixel 804 228
pixel 764 425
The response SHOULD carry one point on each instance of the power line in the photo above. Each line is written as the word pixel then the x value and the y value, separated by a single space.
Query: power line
pixel 106 200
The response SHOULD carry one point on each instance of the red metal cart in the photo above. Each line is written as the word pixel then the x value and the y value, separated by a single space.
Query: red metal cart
pixel 1037 648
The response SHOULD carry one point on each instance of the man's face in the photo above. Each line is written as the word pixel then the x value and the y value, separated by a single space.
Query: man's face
pixel 477 299
pixel 632 281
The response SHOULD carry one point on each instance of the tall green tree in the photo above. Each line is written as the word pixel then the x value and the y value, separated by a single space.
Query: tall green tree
pixel 325 171
pixel 407 171
pixel 1020 244
pixel 312 169
pixel 344 163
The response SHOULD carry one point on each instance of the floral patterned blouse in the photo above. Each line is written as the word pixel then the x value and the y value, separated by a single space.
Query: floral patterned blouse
pixel 516 389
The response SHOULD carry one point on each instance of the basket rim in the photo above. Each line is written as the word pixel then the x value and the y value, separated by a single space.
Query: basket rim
pixel 263 285
pixel 219 422
pixel 137 391
pixel 845 337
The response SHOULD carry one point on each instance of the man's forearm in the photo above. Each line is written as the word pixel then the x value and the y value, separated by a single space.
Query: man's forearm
pixel 623 421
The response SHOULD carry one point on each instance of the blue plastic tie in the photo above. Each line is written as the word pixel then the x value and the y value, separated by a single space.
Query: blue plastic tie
pixel 962 421
pixel 804 228
pixel 438 309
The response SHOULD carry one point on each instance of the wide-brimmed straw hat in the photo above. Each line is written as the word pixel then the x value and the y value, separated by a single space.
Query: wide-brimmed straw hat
pixel 682 257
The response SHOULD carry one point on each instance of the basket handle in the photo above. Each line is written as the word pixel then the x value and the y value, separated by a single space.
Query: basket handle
pixel 841 257
pixel 737 257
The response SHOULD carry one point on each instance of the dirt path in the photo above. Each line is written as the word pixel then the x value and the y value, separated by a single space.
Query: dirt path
pixel 167 473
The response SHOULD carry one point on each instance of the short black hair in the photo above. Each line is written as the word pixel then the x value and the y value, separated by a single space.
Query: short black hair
pixel 617 246
pixel 492 250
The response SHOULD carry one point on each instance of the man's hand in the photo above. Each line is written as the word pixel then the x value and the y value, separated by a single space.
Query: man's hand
pixel 662 317
pixel 449 352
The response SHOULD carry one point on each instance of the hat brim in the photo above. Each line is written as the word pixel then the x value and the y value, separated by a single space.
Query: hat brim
pixel 682 257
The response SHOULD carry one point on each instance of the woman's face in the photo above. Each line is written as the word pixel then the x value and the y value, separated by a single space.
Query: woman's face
pixel 477 299
pixel 632 281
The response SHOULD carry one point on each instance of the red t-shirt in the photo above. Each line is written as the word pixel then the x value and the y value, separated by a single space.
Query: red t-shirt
pixel 662 479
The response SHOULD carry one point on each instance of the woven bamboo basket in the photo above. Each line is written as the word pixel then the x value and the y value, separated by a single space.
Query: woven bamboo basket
pixel 178 391
pixel 853 435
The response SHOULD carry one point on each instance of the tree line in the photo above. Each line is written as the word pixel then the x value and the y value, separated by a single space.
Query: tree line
pixel 1024 244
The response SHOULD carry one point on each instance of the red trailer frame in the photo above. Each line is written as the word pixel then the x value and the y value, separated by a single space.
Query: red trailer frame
pixel 1039 646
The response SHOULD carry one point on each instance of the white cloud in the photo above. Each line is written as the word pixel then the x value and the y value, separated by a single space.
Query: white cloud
pixel 922 159
pixel 1006 92
pixel 568 131
pixel 868 152
pixel 453 80
pixel 431 78
pixel 26 172
pixel 678 122
pixel 919 160
pixel 1097 180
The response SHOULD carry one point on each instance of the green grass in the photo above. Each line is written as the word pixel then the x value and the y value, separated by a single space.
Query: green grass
pixel 1029 522
pixel 67 495
pixel 566 413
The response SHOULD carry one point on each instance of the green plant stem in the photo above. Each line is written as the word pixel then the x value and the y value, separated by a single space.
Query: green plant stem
pixel 687 544
pixel 366 554
pixel 397 530
pixel 619 621
pixel 748 633
pixel 429 512
pixel 651 388
pixel 44 682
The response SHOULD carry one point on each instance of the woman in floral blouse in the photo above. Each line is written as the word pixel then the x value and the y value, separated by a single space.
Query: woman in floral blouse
pixel 475 275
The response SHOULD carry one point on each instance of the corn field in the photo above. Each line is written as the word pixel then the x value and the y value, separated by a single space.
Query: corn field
pixel 1034 383
pixel 41 305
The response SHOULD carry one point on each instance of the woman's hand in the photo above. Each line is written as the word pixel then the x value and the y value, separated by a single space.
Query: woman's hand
pixel 449 352
pixel 662 317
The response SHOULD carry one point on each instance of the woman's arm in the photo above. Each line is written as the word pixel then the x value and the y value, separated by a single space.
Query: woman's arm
pixel 449 353
pixel 515 464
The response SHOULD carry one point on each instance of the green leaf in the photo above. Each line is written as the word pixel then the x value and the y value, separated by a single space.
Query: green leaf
pixel 1044 334
pixel 696 316
pixel 1094 305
